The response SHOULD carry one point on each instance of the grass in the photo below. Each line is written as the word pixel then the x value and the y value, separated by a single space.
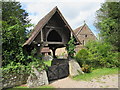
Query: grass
pixel 20 87
pixel 23 87
pixel 48 62
pixel 46 86
pixel 96 74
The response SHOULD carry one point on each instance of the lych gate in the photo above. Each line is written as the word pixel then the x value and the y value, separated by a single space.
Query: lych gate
pixel 53 32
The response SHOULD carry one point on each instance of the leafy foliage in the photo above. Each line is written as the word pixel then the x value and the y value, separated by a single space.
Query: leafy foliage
pixel 82 57
pixel 102 55
pixel 12 43
pixel 13 9
pixel 14 27
pixel 86 68
pixel 14 31
pixel 70 47
pixel 36 61
pixel 98 54
pixel 108 23
pixel 15 68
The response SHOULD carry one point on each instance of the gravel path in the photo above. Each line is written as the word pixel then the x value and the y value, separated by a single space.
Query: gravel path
pixel 107 81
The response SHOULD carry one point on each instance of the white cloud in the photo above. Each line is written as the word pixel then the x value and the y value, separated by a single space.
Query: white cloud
pixel 74 11
pixel 60 0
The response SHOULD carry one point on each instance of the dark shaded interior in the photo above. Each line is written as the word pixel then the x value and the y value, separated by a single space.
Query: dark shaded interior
pixel 54 37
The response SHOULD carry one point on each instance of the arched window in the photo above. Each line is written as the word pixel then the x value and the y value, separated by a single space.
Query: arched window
pixel 54 36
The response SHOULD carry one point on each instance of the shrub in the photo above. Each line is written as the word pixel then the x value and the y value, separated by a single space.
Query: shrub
pixel 86 68
pixel 82 57
pixel 102 54
pixel 15 68
pixel 98 54
pixel 36 60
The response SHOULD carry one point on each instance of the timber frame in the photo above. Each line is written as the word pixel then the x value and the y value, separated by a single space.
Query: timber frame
pixel 52 31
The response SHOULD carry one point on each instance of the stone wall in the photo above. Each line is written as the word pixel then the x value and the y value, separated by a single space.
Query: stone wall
pixel 0 79
pixel 33 80
pixel 12 79
pixel 39 78
pixel 0 83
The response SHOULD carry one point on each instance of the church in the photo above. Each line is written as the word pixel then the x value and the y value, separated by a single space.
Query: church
pixel 84 34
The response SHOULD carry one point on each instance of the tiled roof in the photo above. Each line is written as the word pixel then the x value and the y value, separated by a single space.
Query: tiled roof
pixel 77 29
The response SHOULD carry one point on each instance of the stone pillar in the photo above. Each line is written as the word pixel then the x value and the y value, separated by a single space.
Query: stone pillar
pixel 74 68
pixel 38 79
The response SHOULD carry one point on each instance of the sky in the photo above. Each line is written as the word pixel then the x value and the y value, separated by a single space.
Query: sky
pixel 74 11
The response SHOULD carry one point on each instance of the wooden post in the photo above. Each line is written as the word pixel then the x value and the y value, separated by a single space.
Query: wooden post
pixel 53 50
pixel 71 34
pixel 41 36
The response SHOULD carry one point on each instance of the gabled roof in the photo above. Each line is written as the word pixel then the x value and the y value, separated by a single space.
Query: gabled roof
pixel 43 22
pixel 79 29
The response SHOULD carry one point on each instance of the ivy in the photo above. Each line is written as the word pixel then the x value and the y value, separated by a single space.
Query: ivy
pixel 71 47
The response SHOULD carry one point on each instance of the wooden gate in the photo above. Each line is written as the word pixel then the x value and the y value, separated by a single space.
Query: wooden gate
pixel 58 71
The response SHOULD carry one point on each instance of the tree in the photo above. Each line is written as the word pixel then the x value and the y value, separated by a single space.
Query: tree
pixel 108 23
pixel 13 9
pixel 14 27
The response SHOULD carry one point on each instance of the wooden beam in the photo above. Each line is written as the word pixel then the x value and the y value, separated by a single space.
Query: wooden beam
pixel 41 36
pixel 54 43
pixel 52 27
pixel 71 34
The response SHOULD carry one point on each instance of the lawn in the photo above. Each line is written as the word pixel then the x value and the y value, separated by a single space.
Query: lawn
pixel 46 86
pixel 96 74
pixel 26 88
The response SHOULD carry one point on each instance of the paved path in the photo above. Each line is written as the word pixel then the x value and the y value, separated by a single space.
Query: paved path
pixel 108 81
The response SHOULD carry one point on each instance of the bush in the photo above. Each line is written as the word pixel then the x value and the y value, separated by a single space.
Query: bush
pixel 98 54
pixel 82 57
pixel 86 68
pixel 102 54
pixel 36 60
pixel 15 68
